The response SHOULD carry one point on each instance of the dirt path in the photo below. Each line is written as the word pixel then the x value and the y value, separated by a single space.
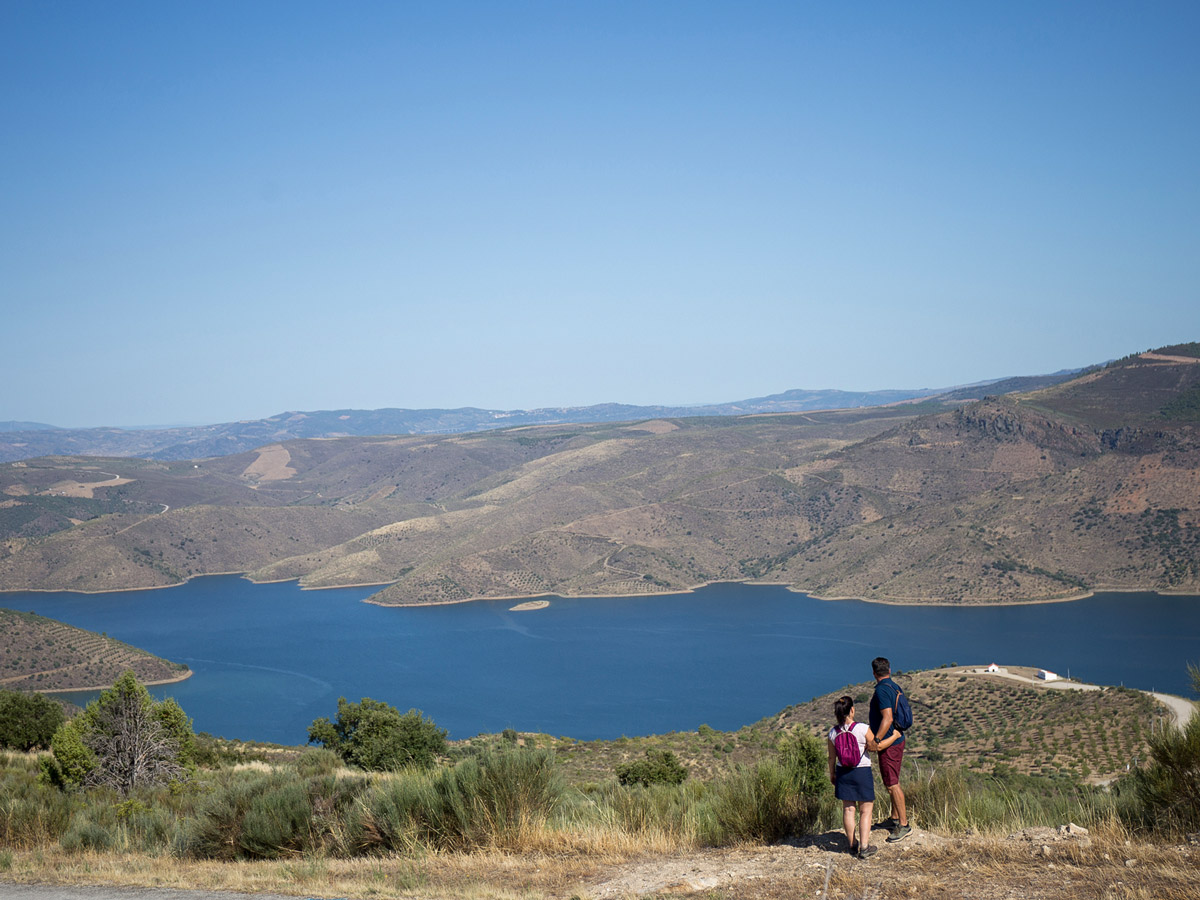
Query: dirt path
pixel 747 867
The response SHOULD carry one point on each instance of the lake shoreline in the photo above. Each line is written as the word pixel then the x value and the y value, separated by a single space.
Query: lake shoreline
pixel 724 655
pixel 104 687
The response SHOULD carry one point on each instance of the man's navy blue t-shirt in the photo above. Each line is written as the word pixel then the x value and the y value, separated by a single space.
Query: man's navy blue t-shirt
pixel 884 697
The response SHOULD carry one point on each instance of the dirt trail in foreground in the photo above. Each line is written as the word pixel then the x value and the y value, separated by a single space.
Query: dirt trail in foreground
pixel 1042 863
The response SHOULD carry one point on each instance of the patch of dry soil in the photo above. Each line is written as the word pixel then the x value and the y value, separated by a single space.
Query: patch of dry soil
pixel 790 863
pixel 271 464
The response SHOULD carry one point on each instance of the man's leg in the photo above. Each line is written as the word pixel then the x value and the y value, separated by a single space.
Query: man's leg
pixel 889 769
pixel 899 813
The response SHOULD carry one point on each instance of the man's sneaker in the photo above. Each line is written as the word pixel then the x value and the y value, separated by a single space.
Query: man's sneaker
pixel 890 824
pixel 868 851
pixel 899 833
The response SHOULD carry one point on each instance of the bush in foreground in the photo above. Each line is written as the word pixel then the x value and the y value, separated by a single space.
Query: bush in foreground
pixel 123 740
pixel 1169 789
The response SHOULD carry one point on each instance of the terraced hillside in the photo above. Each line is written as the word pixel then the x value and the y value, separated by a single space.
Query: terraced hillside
pixel 988 723
pixel 40 654
pixel 982 723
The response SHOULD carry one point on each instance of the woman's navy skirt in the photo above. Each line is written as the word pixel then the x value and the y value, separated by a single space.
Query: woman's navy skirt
pixel 854 784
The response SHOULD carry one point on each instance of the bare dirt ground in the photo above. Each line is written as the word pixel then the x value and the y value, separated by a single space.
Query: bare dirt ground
pixel 1034 864
pixel 1162 357
pixel 272 464
pixel 85 489
pixel 1049 863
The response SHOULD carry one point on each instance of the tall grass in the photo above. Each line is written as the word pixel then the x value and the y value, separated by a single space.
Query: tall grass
pixel 950 799
pixel 31 814
pixel 508 800
pixel 502 799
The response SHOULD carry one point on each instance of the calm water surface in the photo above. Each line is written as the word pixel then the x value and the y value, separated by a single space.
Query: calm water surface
pixel 268 659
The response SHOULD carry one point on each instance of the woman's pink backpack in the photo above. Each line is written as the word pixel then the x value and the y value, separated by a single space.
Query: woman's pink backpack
pixel 846 746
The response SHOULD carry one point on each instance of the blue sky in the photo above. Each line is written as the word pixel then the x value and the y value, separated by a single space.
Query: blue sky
pixel 216 211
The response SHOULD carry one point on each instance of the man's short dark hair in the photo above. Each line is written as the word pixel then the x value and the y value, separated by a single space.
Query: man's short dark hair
pixel 880 666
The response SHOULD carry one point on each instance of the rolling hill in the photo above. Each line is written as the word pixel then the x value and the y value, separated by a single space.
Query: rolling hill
pixel 1084 483
pixel 25 440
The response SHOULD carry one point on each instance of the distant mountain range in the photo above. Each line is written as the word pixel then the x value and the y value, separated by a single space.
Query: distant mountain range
pixel 27 440
pixel 1088 483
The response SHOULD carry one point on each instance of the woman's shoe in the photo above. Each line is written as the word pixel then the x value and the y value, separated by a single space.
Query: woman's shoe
pixel 868 851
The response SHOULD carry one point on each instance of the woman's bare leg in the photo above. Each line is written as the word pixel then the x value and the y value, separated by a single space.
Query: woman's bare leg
pixel 864 824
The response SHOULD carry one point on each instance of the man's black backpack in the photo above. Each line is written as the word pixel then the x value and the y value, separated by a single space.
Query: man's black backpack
pixel 901 712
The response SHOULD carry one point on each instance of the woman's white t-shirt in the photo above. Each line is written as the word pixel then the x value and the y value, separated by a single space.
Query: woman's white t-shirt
pixel 859 730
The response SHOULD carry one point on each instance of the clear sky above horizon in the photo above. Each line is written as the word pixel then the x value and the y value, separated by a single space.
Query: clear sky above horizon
pixel 218 211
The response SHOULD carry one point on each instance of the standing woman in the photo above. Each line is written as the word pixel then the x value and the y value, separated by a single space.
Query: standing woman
pixel 850 772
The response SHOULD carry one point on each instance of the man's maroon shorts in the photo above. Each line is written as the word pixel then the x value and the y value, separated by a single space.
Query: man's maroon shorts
pixel 889 763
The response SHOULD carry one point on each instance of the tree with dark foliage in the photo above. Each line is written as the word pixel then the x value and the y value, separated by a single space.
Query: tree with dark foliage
pixel 27 721
pixel 373 735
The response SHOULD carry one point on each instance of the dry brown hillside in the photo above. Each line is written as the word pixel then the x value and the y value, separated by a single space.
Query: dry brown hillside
pixel 1090 484
pixel 40 654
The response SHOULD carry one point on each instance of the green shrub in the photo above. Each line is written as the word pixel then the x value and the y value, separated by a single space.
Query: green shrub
pixel 216 829
pixel 277 822
pixel 317 761
pixel 1169 789
pixel 951 799
pixel 805 762
pixel 31 813
pixel 27 721
pixel 375 736
pixel 84 833
pixel 518 792
pixel 658 767
pixel 655 809
pixel 400 814
pixel 266 816
pixel 151 830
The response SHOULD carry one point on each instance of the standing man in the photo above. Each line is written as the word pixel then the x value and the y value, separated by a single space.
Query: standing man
pixel 891 745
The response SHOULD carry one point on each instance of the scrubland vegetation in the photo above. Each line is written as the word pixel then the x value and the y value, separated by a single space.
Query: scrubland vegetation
pixel 502 796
